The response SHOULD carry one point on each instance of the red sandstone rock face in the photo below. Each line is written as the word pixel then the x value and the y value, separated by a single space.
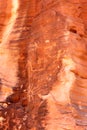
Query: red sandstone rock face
pixel 43 53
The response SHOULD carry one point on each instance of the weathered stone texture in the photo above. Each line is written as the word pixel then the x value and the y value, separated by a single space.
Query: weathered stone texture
pixel 43 65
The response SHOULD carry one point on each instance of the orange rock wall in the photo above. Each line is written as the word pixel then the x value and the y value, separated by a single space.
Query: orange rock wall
pixel 43 46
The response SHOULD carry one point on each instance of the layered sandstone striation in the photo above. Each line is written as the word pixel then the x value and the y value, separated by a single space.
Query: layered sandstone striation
pixel 43 64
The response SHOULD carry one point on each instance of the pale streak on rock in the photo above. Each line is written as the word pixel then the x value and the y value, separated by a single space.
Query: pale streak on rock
pixel 11 22
pixel 7 62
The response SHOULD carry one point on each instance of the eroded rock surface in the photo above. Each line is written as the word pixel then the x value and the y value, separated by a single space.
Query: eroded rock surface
pixel 43 64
